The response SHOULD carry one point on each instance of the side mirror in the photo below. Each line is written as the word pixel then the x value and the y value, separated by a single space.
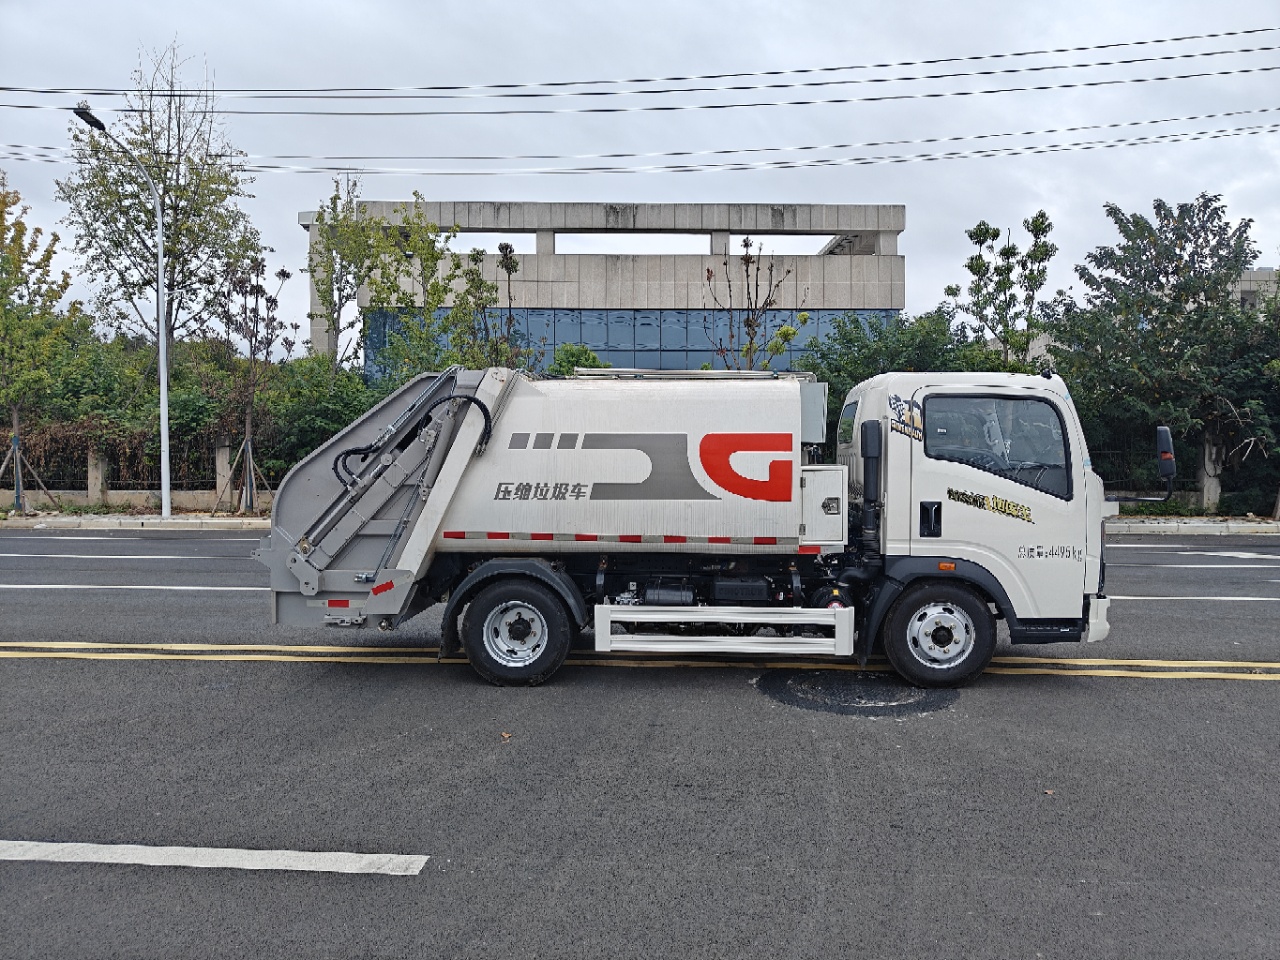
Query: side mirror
pixel 1164 453
pixel 1167 466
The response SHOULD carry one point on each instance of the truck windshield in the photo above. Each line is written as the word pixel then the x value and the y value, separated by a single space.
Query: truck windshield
pixel 1021 439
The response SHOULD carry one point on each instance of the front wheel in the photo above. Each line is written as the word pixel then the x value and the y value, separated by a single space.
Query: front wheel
pixel 939 635
pixel 516 633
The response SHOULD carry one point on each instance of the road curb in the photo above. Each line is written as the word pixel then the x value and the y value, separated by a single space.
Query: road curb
pixel 123 522
pixel 1192 527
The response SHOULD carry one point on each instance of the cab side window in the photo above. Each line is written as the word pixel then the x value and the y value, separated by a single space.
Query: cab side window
pixel 844 428
pixel 1023 440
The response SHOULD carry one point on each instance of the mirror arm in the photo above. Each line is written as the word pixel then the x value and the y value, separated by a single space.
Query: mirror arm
pixel 1168 493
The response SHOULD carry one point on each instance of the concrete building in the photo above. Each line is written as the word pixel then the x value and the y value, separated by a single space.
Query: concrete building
pixel 1256 285
pixel 658 310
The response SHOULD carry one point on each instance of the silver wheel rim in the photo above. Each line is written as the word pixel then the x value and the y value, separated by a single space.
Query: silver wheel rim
pixel 940 635
pixel 515 634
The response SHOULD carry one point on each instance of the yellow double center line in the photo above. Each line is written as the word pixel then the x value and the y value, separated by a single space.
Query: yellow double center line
pixel 309 653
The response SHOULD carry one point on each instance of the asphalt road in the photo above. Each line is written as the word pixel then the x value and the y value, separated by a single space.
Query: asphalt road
pixel 631 811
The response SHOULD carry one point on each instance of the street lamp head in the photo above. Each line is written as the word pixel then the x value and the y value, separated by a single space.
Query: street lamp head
pixel 85 114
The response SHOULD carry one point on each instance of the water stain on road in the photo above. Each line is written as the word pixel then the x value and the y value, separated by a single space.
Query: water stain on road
pixel 852 693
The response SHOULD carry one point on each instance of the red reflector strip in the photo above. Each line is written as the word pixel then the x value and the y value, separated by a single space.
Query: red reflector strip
pixel 814 548
pixel 585 536
pixel 675 540
pixel 454 535
pixel 765 541
pixel 492 535
pixel 339 603
pixel 383 587
pixel 630 538
pixel 719 539
pixel 542 536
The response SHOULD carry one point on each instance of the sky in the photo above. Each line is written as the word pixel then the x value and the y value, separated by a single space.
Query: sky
pixel 77 44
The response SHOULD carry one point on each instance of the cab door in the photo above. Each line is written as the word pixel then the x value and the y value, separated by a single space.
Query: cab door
pixel 995 480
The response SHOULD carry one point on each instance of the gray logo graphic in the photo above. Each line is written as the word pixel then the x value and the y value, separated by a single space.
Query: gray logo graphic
pixel 670 478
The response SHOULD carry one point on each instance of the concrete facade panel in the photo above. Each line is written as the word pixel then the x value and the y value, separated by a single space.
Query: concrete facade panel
pixel 879 296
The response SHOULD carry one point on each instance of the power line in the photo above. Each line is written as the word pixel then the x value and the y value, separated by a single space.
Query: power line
pixel 680 108
pixel 988 153
pixel 670 91
pixel 728 151
pixel 798 71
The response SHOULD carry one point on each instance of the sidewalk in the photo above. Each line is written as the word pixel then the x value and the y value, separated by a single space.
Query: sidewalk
pixel 185 521
pixel 1146 526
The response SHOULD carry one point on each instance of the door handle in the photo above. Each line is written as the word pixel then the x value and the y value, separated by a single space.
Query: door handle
pixel 930 518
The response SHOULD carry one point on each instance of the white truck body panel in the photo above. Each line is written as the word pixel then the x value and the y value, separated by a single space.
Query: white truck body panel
pixel 671 466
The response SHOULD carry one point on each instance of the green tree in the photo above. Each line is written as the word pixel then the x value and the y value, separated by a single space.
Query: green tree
pixel 248 309
pixel 35 330
pixel 570 356
pixel 414 272
pixel 509 265
pixel 309 402
pixel 744 331
pixel 1005 285
pixel 480 336
pixel 347 245
pixel 1162 339
pixel 858 347
pixel 173 129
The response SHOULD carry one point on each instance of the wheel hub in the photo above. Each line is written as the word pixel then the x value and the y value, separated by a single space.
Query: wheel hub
pixel 515 633
pixel 941 635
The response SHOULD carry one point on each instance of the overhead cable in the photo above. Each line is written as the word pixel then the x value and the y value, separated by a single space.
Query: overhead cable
pixel 724 151
pixel 671 91
pixel 993 152
pixel 798 71
pixel 680 108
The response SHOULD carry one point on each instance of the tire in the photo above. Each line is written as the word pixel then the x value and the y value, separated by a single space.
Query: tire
pixel 516 633
pixel 939 635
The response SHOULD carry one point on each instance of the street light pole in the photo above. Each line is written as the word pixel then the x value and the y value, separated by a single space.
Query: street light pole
pixel 166 502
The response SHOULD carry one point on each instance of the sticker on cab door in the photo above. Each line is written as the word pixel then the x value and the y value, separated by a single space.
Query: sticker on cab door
pixel 908 417
pixel 983 501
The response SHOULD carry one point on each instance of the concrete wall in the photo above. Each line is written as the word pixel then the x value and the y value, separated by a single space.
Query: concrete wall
pixel 858 269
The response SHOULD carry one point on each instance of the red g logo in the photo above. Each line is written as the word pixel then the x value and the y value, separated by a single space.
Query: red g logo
pixel 716 449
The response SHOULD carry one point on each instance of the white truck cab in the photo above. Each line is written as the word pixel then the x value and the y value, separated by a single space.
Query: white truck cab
pixel 986 481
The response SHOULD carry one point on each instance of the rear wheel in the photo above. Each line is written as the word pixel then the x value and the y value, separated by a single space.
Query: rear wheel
pixel 516 633
pixel 939 635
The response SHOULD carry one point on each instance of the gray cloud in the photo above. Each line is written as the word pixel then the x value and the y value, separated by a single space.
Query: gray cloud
pixel 64 43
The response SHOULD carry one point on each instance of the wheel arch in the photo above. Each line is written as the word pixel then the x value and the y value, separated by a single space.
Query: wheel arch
pixel 535 569
pixel 904 572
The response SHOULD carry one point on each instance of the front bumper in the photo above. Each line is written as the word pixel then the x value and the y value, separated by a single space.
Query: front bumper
pixel 1097 628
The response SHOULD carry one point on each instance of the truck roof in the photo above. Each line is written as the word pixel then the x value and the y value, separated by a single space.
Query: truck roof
pixel 913 380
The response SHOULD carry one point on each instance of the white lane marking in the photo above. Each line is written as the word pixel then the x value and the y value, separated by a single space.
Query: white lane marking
pixel 1148 546
pixel 393 864
pixel 123 556
pixel 1196 566
pixel 1273 599
pixel 1231 554
pixel 114 586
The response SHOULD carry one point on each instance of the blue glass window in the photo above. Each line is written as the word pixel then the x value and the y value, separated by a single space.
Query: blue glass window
pixel 595 329
pixel 622 329
pixel 675 329
pixel 568 326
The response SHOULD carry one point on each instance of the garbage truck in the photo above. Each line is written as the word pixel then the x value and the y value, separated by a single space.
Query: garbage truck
pixel 684 512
